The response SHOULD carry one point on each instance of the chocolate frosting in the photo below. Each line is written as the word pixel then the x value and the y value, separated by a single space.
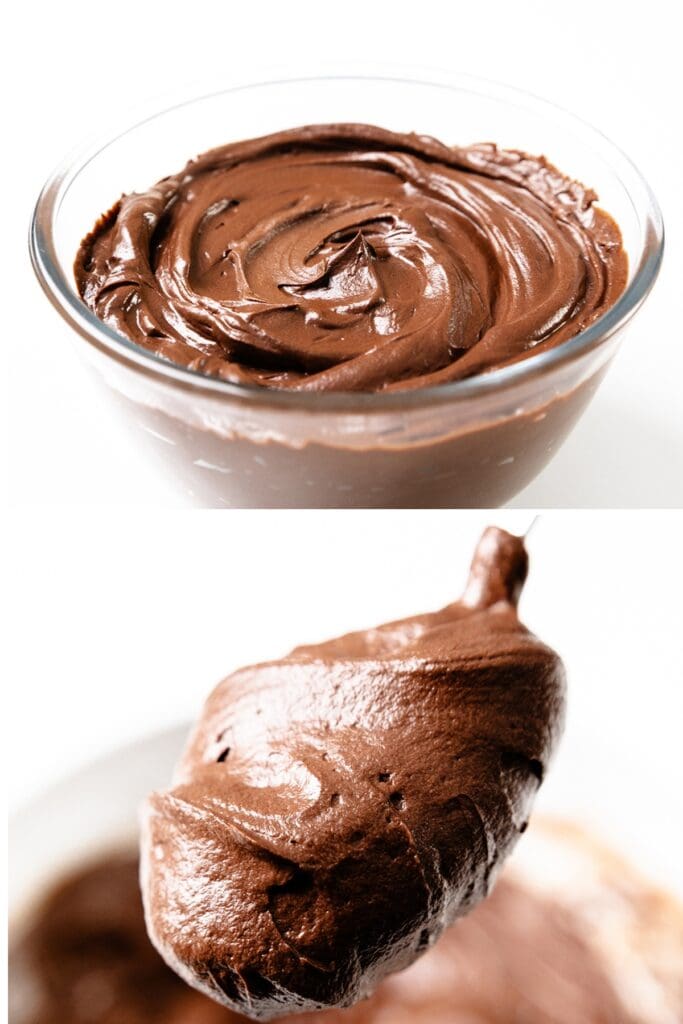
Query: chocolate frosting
pixel 336 809
pixel 347 257
pixel 537 956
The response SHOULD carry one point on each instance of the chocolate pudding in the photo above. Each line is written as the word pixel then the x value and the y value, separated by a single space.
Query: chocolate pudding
pixel 351 258
pixel 335 810
pixel 592 944
pixel 342 260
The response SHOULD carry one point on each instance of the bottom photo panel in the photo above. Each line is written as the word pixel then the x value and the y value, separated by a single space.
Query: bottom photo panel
pixel 367 767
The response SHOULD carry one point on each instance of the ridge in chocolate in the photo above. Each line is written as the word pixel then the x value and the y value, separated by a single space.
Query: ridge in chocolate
pixel 335 810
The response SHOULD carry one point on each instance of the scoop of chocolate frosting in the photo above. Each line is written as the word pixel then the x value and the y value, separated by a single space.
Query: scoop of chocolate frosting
pixel 347 257
pixel 336 809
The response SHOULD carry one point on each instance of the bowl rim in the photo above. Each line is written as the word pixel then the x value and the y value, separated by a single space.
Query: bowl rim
pixel 63 296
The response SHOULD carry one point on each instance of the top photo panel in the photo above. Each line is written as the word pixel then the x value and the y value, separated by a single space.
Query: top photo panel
pixel 354 288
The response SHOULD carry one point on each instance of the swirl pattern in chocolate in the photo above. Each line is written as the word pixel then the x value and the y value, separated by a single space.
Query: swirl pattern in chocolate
pixel 336 810
pixel 348 257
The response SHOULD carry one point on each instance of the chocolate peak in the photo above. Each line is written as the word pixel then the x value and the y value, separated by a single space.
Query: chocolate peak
pixel 498 571
pixel 335 810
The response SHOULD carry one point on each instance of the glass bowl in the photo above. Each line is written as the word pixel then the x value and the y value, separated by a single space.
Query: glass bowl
pixel 472 443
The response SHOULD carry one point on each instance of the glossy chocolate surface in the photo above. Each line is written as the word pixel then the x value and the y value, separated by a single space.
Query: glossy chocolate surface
pixel 346 257
pixel 337 809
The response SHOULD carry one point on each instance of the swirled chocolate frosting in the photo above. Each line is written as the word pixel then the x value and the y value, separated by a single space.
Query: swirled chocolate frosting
pixel 348 257
pixel 336 809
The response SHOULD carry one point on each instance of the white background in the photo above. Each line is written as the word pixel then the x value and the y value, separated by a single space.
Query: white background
pixel 71 67
pixel 120 628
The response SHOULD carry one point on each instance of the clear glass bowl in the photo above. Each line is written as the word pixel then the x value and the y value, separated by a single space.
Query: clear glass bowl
pixel 473 443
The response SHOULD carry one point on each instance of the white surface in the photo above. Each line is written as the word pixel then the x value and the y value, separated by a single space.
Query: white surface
pixel 71 67
pixel 120 629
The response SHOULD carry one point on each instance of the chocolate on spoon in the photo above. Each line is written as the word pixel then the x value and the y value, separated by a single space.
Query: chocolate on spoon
pixel 335 810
